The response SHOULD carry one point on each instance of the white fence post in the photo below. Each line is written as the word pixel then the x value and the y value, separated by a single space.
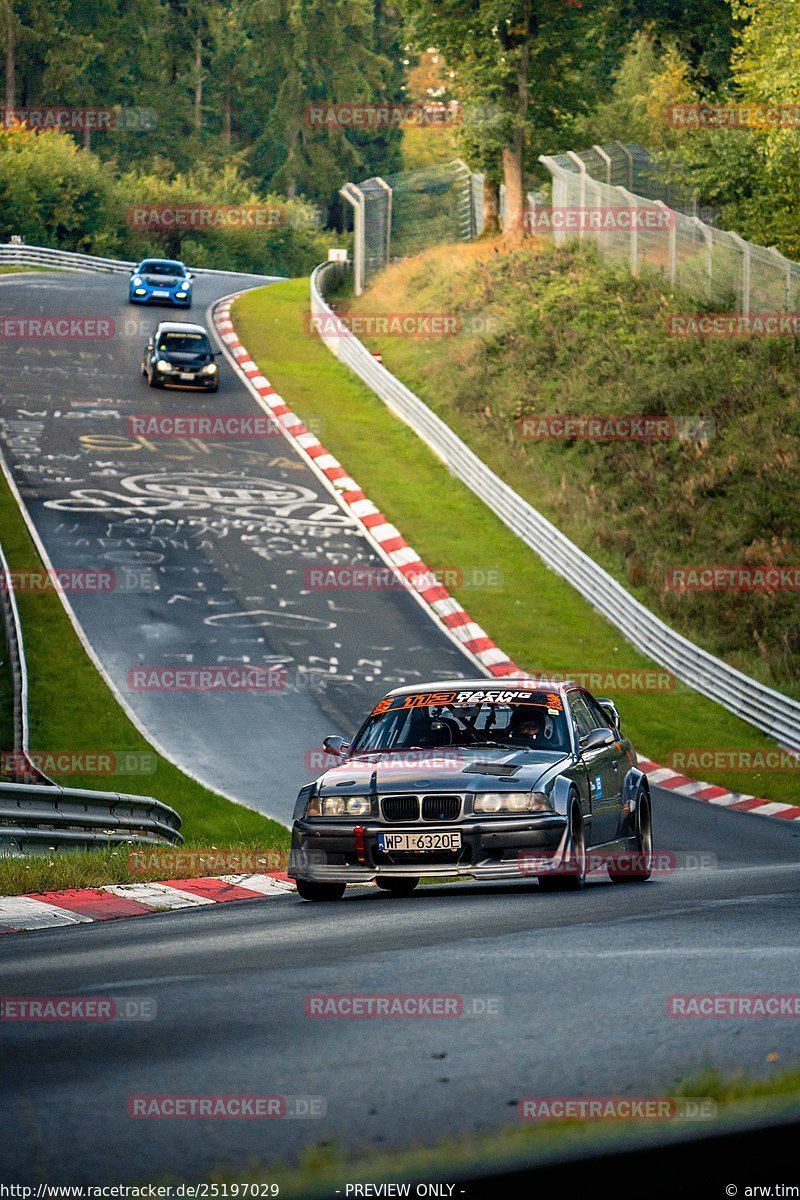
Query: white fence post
pixel 631 201
pixel 582 193
pixel 745 249
pixel 673 242
pixel 355 197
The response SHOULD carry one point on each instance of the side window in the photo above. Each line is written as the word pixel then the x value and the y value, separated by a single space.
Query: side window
pixel 584 722
pixel 600 719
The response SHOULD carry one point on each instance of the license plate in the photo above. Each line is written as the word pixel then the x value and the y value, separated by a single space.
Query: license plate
pixel 426 842
pixel 186 375
pixel 161 295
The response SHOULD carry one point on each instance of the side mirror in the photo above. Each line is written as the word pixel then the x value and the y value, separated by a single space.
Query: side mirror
pixel 217 354
pixel 597 739
pixel 611 711
pixel 149 345
pixel 336 745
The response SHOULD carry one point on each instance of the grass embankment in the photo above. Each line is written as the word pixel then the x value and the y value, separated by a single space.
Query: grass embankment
pixel 738 1098
pixel 576 337
pixel 533 614
pixel 71 708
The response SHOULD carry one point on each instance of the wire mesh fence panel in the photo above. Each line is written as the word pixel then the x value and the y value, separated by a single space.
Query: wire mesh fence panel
pixel 431 206
pixel 768 281
pixel 377 224
pixel 708 263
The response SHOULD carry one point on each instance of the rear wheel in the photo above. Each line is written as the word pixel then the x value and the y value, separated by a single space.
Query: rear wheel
pixel 572 875
pixel 637 865
pixel 308 890
pixel 397 887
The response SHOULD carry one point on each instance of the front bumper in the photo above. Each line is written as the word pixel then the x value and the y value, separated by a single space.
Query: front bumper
pixel 149 298
pixel 324 851
pixel 205 383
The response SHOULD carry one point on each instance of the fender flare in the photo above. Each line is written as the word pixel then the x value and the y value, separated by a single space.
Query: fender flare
pixel 560 798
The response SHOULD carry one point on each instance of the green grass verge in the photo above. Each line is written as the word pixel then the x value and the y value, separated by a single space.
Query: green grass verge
pixel 323 1169
pixel 71 708
pixel 9 269
pixel 573 335
pixel 535 616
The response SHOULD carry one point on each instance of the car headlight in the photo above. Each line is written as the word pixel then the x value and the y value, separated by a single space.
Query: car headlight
pixel 136 281
pixel 512 802
pixel 180 295
pixel 339 806
pixel 211 369
pixel 140 291
pixel 163 365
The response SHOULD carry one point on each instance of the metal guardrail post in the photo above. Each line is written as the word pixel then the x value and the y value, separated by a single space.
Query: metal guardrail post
pixel 582 195
pixel 606 159
pixel 355 197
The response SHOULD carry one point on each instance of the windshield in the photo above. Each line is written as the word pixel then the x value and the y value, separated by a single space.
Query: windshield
pixel 184 343
pixel 158 266
pixel 511 719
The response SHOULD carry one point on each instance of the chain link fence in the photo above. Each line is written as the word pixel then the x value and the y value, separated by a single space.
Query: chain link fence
pixel 406 213
pixel 729 272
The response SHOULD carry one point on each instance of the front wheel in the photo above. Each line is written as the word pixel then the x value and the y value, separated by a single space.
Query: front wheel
pixel 308 890
pixel 397 887
pixel 637 865
pixel 153 380
pixel 572 874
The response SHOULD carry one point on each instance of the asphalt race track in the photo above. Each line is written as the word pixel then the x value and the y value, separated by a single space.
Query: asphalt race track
pixel 582 982
pixel 225 531
pixel 579 982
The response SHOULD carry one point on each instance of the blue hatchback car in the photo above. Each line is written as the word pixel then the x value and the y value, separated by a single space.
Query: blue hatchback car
pixel 161 281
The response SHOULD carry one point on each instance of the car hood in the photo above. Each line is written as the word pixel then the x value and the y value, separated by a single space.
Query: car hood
pixel 458 769
pixel 183 358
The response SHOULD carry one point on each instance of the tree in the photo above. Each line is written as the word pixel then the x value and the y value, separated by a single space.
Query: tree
pixel 516 73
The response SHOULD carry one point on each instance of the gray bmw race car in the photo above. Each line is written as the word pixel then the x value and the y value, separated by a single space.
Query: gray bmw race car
pixel 488 779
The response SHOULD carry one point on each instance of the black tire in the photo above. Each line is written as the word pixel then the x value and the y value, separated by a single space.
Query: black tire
pixel 637 866
pixel 397 887
pixel 153 380
pixel 573 879
pixel 308 890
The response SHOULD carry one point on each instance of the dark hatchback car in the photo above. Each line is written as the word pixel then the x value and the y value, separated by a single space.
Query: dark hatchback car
pixel 493 780
pixel 181 355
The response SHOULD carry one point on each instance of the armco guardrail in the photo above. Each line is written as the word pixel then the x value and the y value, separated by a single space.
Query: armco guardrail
pixel 37 818
pixel 68 260
pixel 759 705
pixel 18 670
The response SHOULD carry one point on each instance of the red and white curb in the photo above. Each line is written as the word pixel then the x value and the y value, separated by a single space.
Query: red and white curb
pixel 711 793
pixel 81 906
pixel 444 608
